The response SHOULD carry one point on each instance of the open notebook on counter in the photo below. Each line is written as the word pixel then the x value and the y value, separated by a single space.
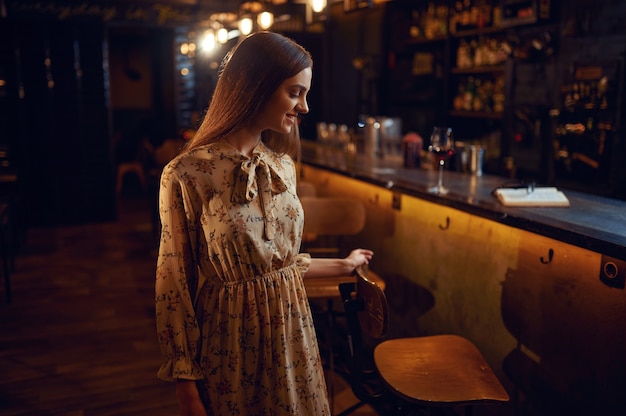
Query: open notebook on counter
pixel 537 197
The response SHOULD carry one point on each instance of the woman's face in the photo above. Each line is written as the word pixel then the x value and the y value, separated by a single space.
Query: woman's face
pixel 281 111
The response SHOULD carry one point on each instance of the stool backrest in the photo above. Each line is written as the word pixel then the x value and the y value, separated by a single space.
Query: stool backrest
pixel 374 317
pixel 327 223
pixel 332 215
pixel 305 188
pixel 366 314
pixel 366 307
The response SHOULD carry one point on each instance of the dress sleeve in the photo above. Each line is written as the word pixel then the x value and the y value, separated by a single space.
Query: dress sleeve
pixel 303 261
pixel 176 272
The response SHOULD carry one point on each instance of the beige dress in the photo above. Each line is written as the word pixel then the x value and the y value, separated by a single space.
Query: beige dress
pixel 231 306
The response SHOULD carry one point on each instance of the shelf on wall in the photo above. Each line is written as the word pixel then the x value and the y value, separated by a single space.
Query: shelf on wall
pixel 422 41
pixel 414 102
pixel 476 114
pixel 478 69
pixel 479 31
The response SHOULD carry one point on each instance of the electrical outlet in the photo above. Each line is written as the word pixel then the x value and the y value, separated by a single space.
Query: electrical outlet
pixel 396 201
pixel 613 272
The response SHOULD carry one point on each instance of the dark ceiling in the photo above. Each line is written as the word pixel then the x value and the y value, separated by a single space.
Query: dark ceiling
pixel 161 12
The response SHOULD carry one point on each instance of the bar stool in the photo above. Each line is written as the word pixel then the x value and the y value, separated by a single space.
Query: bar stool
pixel 327 221
pixel 429 371
pixel 128 168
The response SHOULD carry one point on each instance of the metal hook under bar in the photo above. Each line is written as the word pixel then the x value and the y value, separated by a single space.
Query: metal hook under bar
pixel 445 227
pixel 550 255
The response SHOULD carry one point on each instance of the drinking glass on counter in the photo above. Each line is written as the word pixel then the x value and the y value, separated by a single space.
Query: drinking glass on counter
pixel 442 146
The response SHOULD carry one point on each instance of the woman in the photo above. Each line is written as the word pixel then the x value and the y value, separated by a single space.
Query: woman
pixel 233 319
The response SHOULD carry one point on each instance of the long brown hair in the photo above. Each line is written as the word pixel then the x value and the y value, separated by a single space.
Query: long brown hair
pixel 249 74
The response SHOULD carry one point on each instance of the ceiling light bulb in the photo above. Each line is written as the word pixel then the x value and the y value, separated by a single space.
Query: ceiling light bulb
pixel 208 42
pixel 222 35
pixel 265 20
pixel 318 5
pixel 245 26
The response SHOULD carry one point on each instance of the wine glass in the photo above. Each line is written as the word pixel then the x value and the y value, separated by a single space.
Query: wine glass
pixel 442 146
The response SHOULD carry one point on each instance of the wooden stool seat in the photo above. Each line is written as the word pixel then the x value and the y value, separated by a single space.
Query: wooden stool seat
pixel 328 287
pixel 444 370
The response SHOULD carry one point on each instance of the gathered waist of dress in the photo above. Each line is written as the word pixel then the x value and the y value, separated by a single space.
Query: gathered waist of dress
pixel 286 272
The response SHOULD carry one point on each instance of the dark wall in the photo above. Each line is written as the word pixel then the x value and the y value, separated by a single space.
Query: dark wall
pixel 61 129
pixel 64 120
pixel 356 58
pixel 142 80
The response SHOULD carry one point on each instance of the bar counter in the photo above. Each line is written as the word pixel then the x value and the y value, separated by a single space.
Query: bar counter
pixel 590 222
pixel 537 289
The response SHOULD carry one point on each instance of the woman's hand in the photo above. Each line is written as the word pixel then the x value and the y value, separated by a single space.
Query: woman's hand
pixel 359 257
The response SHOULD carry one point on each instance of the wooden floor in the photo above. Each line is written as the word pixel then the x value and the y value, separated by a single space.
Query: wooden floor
pixel 79 337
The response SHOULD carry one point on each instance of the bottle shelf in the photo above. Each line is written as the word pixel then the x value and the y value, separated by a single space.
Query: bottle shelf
pixel 486 69
pixel 478 32
pixel 476 114
pixel 423 41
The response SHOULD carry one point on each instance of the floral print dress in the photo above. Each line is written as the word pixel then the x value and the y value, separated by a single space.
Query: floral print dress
pixel 232 311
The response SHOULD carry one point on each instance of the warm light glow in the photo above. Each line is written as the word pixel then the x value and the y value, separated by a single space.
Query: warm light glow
pixel 184 71
pixel 208 41
pixel 245 26
pixel 184 48
pixel 224 17
pixel 222 35
pixel 318 5
pixel 265 20
pixel 251 6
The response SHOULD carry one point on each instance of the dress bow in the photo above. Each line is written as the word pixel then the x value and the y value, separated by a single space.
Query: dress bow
pixel 255 177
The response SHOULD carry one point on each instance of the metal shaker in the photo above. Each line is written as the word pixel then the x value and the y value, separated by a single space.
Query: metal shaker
pixel 476 160
pixel 371 136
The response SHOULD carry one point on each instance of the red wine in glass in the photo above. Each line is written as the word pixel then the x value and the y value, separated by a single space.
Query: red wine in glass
pixel 441 155
pixel 442 146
